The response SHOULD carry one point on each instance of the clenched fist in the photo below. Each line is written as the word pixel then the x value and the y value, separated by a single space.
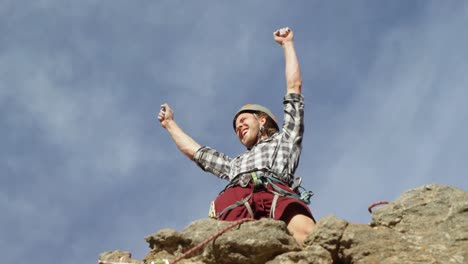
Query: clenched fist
pixel 165 115
pixel 283 35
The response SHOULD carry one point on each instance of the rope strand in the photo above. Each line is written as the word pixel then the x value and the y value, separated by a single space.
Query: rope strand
pixel 375 204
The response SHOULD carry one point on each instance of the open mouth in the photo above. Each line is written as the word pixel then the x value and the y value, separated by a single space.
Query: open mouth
pixel 243 132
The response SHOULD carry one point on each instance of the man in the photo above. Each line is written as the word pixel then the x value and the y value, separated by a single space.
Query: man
pixel 262 180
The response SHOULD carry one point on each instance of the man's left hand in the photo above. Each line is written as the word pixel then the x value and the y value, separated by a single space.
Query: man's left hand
pixel 283 35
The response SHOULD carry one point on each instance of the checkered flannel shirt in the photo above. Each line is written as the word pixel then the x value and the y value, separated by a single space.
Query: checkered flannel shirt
pixel 278 154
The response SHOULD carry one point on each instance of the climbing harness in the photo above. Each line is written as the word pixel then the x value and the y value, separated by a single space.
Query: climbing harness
pixel 375 204
pixel 265 179
pixel 262 181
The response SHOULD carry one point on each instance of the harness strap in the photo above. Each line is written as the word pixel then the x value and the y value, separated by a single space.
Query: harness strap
pixel 244 201
pixel 273 205
pixel 249 208
pixel 304 196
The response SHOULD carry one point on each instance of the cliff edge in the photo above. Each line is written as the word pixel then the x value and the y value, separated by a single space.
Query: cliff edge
pixel 428 224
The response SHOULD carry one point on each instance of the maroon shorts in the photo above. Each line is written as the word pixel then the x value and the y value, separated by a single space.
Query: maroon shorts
pixel 260 202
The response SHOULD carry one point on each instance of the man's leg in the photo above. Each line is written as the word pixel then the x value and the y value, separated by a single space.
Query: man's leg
pixel 300 226
pixel 298 222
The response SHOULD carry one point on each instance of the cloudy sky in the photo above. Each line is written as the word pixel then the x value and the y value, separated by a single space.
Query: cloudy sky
pixel 86 167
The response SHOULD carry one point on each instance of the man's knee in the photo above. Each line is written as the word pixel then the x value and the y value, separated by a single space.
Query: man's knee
pixel 301 224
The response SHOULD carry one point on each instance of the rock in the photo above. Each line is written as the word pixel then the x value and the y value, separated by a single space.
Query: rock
pixel 432 217
pixel 253 242
pixel 327 234
pixel 168 240
pixel 424 225
pixel 250 242
pixel 364 244
pixel 200 230
pixel 314 254
pixel 116 256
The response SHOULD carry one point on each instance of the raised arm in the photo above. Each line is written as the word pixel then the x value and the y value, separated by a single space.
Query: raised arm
pixel 285 38
pixel 184 142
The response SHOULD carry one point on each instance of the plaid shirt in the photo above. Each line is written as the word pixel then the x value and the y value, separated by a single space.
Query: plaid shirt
pixel 278 154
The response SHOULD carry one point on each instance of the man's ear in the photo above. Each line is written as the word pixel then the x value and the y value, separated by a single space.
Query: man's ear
pixel 263 120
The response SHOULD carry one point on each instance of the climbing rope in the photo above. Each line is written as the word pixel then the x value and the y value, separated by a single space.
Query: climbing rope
pixel 204 243
pixel 375 204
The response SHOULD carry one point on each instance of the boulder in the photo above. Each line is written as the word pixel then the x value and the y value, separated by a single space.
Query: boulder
pixel 116 256
pixel 250 242
pixel 428 224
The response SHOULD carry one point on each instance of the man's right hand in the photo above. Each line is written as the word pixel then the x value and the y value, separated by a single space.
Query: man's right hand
pixel 165 115
pixel 184 142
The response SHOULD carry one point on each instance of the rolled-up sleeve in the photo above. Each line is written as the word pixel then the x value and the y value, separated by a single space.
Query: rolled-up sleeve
pixel 213 161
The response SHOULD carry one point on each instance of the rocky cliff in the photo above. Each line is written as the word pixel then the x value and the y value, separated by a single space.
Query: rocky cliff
pixel 424 225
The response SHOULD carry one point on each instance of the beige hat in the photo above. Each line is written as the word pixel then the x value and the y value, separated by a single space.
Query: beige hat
pixel 255 108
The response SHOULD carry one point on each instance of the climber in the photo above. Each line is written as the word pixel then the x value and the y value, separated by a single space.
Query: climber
pixel 262 182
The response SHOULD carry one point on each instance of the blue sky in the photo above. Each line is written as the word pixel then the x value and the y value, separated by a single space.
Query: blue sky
pixel 86 167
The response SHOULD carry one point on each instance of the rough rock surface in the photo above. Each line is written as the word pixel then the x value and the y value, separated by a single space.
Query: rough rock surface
pixel 424 225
